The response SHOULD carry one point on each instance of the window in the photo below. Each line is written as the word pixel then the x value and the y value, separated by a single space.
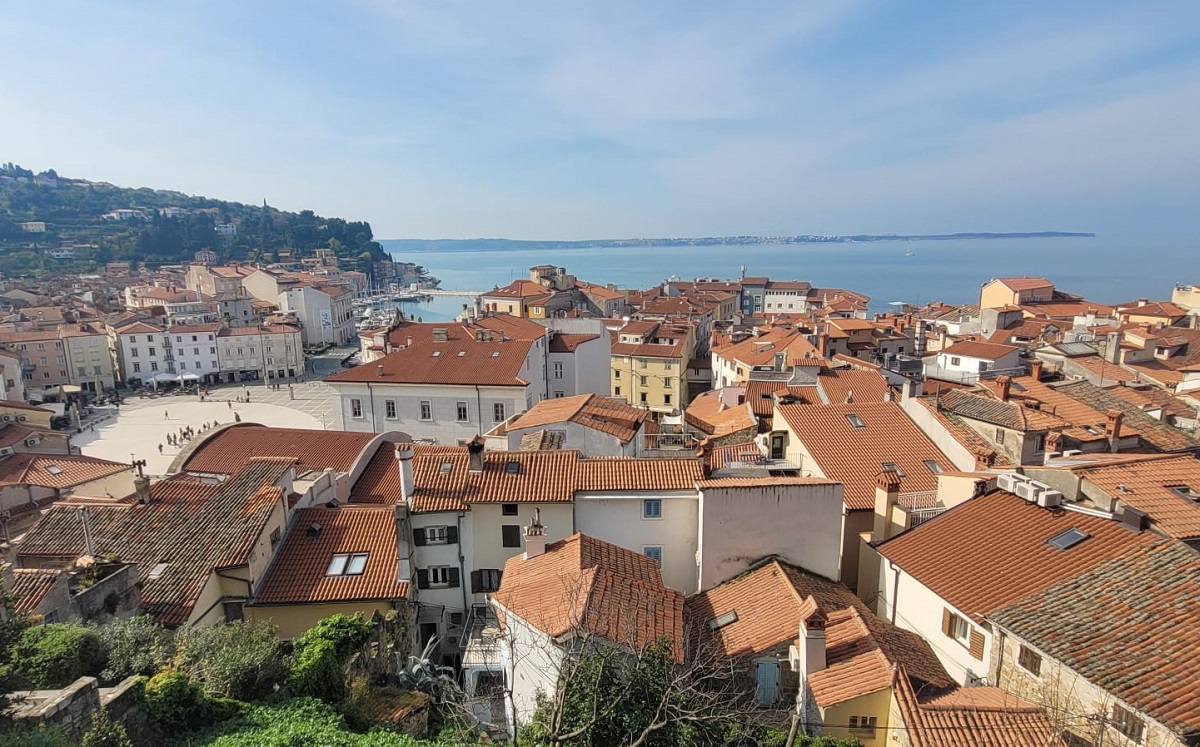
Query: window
pixel 652 508
pixel 559 394
pixel 1067 539
pixel 81 370
pixel 999 435
pixel 1185 491
pixel 178 338
pixel 461 408
pixel 508 509
pixel 767 679
pixel 855 420
pixel 137 368
pixel 153 365
pixel 891 467
pixel 440 575
pixel 1030 660
pixel 933 467
pixel 956 627
pixel 356 408
pixel 426 410
pixel 151 352
pixel 644 380
pixel 643 398
pixel 616 373
pixel 653 551
pixel 179 353
pixel 1039 443
pixel 275 536
pixel 435 535
pixel 347 564
pixel 955 361
pixel 862 723
pixel 485 580
pixel 389 409
pixel 212 351
pixel 666 399
pixel 158 570
pixel 723 619
pixel 133 352
pixel 234 611
pixel 558 370
pixel 498 412
pixel 96 370
pixel 510 534
pixel 616 391
pixel 1128 724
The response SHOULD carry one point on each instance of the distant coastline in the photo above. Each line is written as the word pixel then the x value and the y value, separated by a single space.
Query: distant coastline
pixel 500 245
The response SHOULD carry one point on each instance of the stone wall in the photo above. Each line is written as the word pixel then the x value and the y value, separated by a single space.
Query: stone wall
pixel 123 705
pixel 69 709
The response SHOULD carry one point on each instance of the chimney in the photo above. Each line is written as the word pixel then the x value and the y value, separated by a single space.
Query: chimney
pixel 1135 520
pixel 141 486
pixel 535 536
pixel 1004 384
pixel 850 397
pixel 1035 369
pixel 1112 429
pixel 887 495
pixel 812 638
pixel 1143 301
pixel 404 463
pixel 823 344
pixel 379 370
pixel 475 454
pixel 408 343
pixel 1112 347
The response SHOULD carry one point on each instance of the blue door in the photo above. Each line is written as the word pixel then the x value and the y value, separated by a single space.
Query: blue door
pixel 768 682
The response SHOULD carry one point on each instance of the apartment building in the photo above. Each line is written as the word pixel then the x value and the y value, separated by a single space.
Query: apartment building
pixel 649 365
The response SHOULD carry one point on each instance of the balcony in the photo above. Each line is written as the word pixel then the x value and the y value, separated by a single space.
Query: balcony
pixel 483 671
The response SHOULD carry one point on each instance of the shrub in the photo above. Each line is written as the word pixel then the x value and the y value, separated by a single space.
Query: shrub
pixel 296 723
pixel 105 733
pixel 177 703
pixel 240 660
pixel 317 672
pixel 347 633
pixel 136 645
pixel 41 736
pixel 55 655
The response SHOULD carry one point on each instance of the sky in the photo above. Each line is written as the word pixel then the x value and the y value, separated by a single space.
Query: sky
pixel 615 119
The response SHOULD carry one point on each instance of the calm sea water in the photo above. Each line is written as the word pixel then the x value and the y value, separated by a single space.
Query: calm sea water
pixel 1104 268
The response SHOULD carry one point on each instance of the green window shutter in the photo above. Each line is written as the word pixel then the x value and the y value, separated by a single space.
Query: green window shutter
pixel 451 535
pixel 476 582
pixel 418 537
pixel 454 579
pixel 422 578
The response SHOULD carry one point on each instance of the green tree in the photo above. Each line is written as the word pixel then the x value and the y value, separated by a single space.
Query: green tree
pixel 55 655
pixel 242 660
pixel 136 645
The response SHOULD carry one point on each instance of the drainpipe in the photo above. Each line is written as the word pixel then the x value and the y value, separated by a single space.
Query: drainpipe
pixel 464 577
pixel 895 588
pixel 371 399
pixel 478 410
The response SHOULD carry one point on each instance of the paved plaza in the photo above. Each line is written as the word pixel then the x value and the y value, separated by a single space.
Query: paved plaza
pixel 139 426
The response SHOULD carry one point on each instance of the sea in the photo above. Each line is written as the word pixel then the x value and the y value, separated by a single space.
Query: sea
pixel 1107 268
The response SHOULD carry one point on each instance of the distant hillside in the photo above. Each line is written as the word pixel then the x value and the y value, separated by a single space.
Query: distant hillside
pixel 50 223
pixel 501 245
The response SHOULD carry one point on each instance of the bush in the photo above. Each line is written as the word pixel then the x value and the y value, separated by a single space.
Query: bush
pixel 42 736
pixel 105 733
pixel 347 633
pixel 317 672
pixel 239 660
pixel 55 655
pixel 296 723
pixel 136 645
pixel 177 703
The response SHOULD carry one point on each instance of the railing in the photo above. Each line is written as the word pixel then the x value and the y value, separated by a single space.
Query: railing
pixel 918 516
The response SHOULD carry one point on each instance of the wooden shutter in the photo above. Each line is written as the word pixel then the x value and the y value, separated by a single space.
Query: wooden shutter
pixel 947 622
pixel 977 644
pixel 451 535
pixel 455 581
pixel 476 582
pixel 422 578
pixel 418 537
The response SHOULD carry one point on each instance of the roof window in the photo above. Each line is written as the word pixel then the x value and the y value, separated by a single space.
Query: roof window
pixel 513 468
pixel 892 467
pixel 158 570
pixel 720 621
pixel 855 420
pixel 446 467
pixel 461 353
pixel 1067 539
pixel 495 353
pixel 54 469
pixel 436 353
pixel 1184 491
pixel 934 467
pixel 347 564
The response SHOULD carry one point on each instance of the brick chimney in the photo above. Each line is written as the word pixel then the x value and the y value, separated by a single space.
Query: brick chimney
pixel 1035 369
pixel 404 464
pixel 1112 429
pixel 823 344
pixel 1003 387
pixel 887 495
pixel 812 637
pixel 535 536
pixel 141 486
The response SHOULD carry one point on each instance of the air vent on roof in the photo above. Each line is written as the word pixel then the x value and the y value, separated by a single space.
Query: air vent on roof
pixel 1067 539
pixel 314 529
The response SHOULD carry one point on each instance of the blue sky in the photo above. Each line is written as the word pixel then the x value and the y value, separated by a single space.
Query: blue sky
pixel 616 119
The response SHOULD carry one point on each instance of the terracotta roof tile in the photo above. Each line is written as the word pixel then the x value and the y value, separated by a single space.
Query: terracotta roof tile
pixel 298 573
pixel 231 448
pixel 31 585
pixel 582 582
pixel 855 456
pixel 626 474
pixel 612 416
pixel 709 413
pixel 1128 626
pixel 1146 485
pixel 564 343
pixel 55 471
pixel 1025 283
pixel 992 550
pixel 191 538
pixel 984 350
pixel 1152 431
pixel 1011 414
pixel 840 383
pixel 769 602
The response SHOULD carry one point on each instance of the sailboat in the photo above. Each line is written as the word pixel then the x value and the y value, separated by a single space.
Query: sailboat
pixel 910 253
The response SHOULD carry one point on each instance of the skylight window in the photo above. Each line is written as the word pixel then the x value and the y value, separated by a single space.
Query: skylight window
pixel 1067 539
pixel 513 468
pixel 446 467
pixel 158 570
pixel 54 469
pixel 1185 491
pixel 495 353
pixel 855 420
pixel 892 467
pixel 347 564
pixel 436 353
pixel 720 621
pixel 461 353
pixel 934 467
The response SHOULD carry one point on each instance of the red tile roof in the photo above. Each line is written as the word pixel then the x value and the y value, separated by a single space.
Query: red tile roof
pixel 1025 283
pixel 855 456
pixel 1128 626
pixel 992 550
pixel 770 602
pixel 31 585
pixel 298 572
pixel 1146 485
pixel 562 343
pixel 607 415
pixel 985 350
pixel 55 470
pixel 228 450
pixel 585 583
pixel 190 538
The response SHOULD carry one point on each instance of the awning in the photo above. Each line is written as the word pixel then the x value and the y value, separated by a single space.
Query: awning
pixel 164 378
pixel 189 377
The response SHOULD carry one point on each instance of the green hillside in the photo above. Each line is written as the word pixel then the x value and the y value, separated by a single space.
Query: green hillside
pixel 78 237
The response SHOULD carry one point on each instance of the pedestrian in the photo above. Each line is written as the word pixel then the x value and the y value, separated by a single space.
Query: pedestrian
pixel 165 417
pixel 229 404
pixel 160 448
